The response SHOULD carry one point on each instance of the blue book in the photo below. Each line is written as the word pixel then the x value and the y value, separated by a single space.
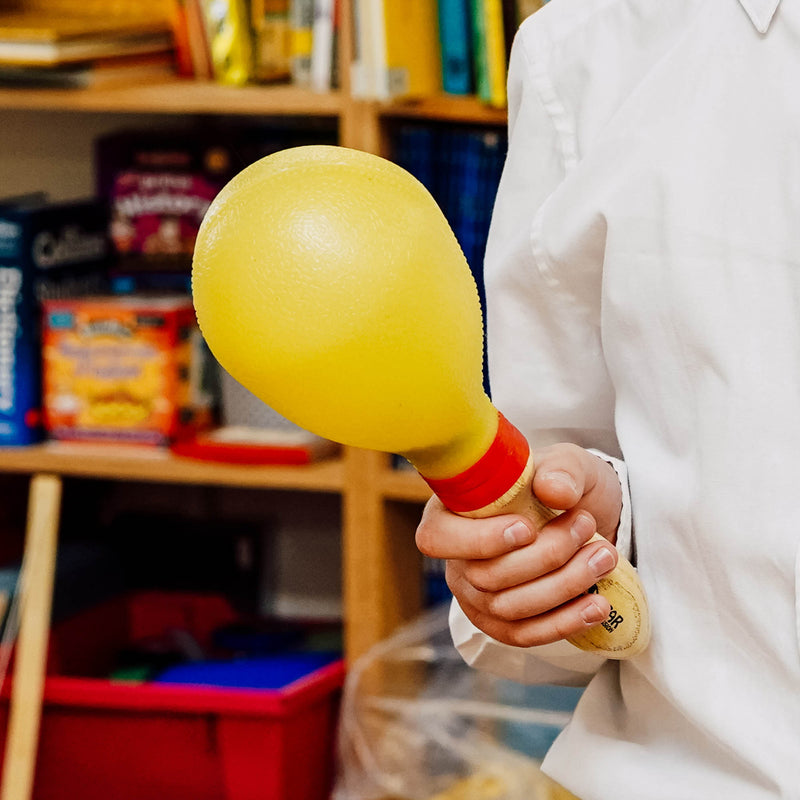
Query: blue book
pixel 46 250
pixel 461 168
pixel 455 36
pixel 415 148
pixel 472 161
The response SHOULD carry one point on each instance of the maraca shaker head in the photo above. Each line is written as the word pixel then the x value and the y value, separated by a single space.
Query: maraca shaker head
pixel 328 282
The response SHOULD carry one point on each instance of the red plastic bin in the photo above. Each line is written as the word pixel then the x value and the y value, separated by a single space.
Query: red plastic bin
pixel 105 740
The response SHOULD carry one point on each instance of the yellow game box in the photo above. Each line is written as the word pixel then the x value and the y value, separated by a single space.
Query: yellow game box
pixel 124 369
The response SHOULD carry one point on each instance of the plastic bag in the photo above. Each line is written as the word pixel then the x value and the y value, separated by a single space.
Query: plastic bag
pixel 418 724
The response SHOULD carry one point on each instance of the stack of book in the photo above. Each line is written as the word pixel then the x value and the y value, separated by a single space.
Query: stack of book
pixel 72 49
pixel 295 41
pixel 264 41
pixel 419 48
pixel 213 40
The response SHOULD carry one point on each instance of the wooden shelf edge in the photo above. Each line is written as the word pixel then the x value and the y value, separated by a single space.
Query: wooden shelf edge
pixel 180 96
pixel 445 108
pixel 187 96
pixel 160 466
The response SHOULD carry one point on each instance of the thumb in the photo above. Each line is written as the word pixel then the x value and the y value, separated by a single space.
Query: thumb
pixel 561 474
pixel 567 476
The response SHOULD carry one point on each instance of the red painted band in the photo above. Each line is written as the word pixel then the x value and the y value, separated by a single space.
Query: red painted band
pixel 486 481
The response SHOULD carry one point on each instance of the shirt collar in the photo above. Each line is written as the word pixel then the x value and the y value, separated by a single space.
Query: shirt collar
pixel 760 12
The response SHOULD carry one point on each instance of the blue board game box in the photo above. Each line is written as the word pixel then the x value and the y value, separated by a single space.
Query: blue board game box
pixel 47 250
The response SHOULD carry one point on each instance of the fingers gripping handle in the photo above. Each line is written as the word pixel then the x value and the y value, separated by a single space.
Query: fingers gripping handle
pixel 626 631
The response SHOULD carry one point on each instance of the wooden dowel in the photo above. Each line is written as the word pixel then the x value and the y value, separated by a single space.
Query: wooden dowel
pixel 36 584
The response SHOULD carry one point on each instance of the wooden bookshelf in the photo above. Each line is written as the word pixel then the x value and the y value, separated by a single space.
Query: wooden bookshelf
pixel 380 505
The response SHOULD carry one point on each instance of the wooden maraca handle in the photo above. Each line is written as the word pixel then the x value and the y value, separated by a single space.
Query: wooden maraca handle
pixel 626 630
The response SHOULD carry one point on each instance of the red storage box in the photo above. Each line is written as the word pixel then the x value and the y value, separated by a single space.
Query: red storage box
pixel 106 740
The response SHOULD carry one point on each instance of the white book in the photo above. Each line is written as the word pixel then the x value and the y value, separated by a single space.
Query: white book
pixel 323 45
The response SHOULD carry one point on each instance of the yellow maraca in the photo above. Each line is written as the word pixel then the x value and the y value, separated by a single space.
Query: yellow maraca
pixel 328 282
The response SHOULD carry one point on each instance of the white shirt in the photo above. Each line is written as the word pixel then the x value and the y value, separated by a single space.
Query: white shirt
pixel 643 276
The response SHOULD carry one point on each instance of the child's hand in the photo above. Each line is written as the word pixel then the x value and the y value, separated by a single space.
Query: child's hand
pixel 524 586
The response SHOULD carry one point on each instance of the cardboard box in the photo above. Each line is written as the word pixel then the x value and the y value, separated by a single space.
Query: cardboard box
pixel 46 250
pixel 159 183
pixel 125 369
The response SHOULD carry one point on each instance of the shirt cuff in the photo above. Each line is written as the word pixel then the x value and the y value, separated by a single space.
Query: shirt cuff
pixel 625 544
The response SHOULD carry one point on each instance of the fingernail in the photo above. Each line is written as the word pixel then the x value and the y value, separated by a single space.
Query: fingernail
pixel 562 479
pixel 592 614
pixel 601 562
pixel 518 534
pixel 582 529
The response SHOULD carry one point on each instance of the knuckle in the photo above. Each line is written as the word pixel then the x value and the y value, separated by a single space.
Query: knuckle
pixel 430 524
pixel 576 582
pixel 484 578
pixel 517 637
pixel 424 537
pixel 563 628
pixel 485 543
pixel 453 577
pixel 575 579
pixel 499 606
pixel 552 556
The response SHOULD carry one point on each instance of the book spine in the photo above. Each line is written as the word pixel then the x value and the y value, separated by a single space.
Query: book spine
pixel 19 341
pixel 272 40
pixel 323 45
pixel 228 34
pixel 495 52
pixel 456 46
pixel 301 24
pixel 199 48
pixel 180 33
pixel 369 59
pixel 376 47
pixel 409 30
pixel 358 57
pixel 479 61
